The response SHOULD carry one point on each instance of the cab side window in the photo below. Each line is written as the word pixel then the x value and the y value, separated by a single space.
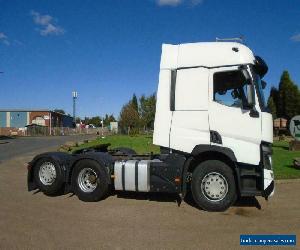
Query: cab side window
pixel 231 88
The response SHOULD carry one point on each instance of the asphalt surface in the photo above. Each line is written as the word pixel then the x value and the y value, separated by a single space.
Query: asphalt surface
pixel 10 148
pixel 134 221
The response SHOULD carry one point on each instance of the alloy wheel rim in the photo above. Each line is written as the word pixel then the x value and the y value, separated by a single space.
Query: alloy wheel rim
pixel 47 173
pixel 87 180
pixel 214 186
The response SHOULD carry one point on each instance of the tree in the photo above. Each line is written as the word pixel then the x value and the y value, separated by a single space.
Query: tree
pixel 129 117
pixel 147 111
pixel 96 121
pixel 134 102
pixel 78 120
pixel 111 118
pixel 272 107
pixel 105 120
pixel 108 119
pixel 288 103
pixel 60 111
pixel 275 96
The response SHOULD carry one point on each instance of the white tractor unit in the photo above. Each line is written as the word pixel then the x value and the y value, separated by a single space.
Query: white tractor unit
pixel 211 123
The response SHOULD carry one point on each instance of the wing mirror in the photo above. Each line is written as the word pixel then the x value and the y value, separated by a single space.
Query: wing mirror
pixel 260 66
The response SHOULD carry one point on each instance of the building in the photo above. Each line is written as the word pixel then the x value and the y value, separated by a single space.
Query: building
pixel 114 127
pixel 14 121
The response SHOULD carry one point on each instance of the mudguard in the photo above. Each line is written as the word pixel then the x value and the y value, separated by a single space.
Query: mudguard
pixel 104 159
pixel 62 159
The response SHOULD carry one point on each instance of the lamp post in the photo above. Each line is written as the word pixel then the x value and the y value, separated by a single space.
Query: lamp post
pixel 102 135
pixel 74 95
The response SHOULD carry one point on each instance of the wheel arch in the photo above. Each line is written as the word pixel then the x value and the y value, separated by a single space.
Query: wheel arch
pixel 211 155
pixel 103 159
pixel 203 153
pixel 60 158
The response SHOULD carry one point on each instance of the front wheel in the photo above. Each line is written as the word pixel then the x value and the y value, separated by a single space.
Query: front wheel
pixel 89 181
pixel 213 186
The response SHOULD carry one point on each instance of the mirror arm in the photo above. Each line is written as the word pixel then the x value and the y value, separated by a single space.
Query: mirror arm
pixel 254 113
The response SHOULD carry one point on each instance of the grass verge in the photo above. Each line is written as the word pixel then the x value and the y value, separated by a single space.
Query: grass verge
pixel 141 144
pixel 283 161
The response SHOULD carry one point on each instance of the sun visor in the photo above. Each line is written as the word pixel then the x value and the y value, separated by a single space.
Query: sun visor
pixel 169 56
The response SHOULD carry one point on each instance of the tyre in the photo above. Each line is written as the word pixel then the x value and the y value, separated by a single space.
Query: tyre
pixel 48 176
pixel 125 151
pixel 89 180
pixel 213 186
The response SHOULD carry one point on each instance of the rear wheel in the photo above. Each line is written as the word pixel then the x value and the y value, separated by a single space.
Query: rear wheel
pixel 213 186
pixel 89 180
pixel 48 176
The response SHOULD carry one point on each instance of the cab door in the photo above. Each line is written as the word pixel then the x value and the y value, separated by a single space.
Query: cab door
pixel 234 113
pixel 189 125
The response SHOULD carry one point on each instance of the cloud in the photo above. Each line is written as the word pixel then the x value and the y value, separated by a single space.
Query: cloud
pixel 18 43
pixel 47 24
pixel 296 38
pixel 4 39
pixel 169 2
pixel 175 3
pixel 196 2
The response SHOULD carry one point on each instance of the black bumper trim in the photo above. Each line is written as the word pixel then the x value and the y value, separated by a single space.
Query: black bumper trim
pixel 268 190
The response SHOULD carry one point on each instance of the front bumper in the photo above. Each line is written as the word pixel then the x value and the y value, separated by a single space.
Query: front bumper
pixel 268 174
pixel 257 180
pixel 269 185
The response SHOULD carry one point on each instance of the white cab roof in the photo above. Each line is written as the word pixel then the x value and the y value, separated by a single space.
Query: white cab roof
pixel 206 54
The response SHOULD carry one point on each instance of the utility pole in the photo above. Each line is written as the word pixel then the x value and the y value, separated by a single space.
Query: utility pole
pixel 102 135
pixel 74 95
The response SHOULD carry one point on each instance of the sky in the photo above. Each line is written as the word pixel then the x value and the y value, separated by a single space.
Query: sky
pixel 109 49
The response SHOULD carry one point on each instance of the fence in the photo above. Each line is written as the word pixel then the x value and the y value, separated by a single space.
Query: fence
pixel 56 131
pixel 65 131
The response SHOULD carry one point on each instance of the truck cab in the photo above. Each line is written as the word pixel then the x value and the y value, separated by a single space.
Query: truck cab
pixel 211 123
pixel 210 103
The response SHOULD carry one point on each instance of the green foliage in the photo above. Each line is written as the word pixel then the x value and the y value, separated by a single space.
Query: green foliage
pixel 59 111
pixel 129 117
pixel 135 115
pixel 133 131
pixel 272 107
pixel 134 103
pixel 96 121
pixel 285 101
pixel 108 119
pixel 141 144
pixel 283 161
pixel 78 120
pixel 147 111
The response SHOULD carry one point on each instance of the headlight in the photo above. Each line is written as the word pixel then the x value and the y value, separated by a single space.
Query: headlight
pixel 267 161
pixel 270 159
pixel 267 156
pixel 269 164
